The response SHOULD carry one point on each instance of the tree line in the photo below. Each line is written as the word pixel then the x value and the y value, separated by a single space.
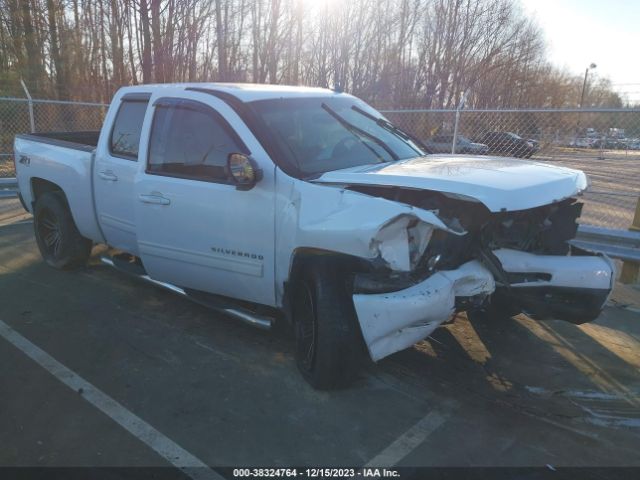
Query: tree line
pixel 392 53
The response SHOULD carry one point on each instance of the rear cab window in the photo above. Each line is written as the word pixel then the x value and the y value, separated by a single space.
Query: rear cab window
pixel 127 126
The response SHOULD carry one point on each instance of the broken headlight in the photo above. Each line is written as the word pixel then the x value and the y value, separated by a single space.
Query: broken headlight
pixel 402 243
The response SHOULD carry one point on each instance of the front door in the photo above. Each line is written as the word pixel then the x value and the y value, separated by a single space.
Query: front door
pixel 194 228
pixel 115 169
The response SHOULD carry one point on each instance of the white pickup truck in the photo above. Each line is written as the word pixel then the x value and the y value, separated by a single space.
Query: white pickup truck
pixel 305 204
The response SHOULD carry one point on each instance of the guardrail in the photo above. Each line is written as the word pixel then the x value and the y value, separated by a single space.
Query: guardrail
pixel 620 244
pixel 8 187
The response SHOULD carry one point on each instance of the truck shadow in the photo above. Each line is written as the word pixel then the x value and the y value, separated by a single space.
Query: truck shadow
pixel 552 369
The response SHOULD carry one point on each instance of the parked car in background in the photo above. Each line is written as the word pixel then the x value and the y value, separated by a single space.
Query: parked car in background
pixel 584 142
pixel 508 143
pixel 535 143
pixel 442 144
pixel 634 144
pixel 609 144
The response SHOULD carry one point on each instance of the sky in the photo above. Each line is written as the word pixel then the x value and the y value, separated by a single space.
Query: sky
pixel 604 32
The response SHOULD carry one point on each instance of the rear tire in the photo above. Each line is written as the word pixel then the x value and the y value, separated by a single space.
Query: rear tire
pixel 57 236
pixel 328 343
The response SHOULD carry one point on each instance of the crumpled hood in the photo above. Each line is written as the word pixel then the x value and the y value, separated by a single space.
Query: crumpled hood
pixel 500 183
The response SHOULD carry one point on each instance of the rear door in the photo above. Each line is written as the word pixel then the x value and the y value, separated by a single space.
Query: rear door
pixel 115 168
pixel 194 228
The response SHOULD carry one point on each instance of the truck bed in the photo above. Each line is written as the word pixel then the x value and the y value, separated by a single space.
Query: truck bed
pixel 66 160
pixel 82 140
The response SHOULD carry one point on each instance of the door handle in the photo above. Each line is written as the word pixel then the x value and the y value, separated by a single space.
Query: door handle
pixel 154 198
pixel 108 175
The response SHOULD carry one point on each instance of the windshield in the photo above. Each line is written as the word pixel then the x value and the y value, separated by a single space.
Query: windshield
pixel 323 134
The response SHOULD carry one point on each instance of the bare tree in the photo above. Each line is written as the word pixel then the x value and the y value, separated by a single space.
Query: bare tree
pixel 400 53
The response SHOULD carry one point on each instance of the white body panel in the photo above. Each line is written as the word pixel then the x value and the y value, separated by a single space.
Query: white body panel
pixel 210 236
pixel 591 272
pixel 113 180
pixel 114 195
pixel 501 184
pixel 312 216
pixel 67 167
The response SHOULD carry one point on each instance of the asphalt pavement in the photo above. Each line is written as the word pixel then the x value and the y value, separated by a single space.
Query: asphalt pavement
pixel 100 369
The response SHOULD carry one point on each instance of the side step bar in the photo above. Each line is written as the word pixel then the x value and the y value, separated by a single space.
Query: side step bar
pixel 214 302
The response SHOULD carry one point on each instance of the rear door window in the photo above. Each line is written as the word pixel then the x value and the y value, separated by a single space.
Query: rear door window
pixel 125 135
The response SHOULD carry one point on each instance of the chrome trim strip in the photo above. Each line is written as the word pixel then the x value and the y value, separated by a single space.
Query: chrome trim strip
pixel 259 321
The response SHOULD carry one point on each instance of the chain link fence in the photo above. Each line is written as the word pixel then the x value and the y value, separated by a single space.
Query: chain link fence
pixel 17 115
pixel 605 143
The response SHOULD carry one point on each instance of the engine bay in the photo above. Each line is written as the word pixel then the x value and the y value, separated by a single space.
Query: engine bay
pixel 544 230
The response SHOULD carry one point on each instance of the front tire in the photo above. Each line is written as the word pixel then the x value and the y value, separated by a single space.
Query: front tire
pixel 328 344
pixel 57 236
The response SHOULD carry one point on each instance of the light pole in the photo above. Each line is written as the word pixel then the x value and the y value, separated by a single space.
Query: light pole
pixel 584 84
pixel 584 87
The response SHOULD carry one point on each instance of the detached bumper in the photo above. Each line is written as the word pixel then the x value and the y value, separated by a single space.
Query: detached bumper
pixel 545 287
pixel 394 321
pixel 572 288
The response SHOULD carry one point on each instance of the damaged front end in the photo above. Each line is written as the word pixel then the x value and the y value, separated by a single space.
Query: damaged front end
pixel 521 260
pixel 394 320
pixel 536 269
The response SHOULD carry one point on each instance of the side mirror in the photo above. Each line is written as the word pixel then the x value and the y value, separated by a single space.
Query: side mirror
pixel 243 170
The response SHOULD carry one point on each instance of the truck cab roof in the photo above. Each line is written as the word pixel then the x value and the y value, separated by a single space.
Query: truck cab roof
pixel 245 92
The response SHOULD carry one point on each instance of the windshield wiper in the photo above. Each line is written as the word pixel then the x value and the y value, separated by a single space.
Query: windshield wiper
pixel 358 132
pixel 392 128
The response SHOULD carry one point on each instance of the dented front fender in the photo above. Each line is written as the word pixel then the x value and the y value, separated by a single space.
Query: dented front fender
pixel 350 223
